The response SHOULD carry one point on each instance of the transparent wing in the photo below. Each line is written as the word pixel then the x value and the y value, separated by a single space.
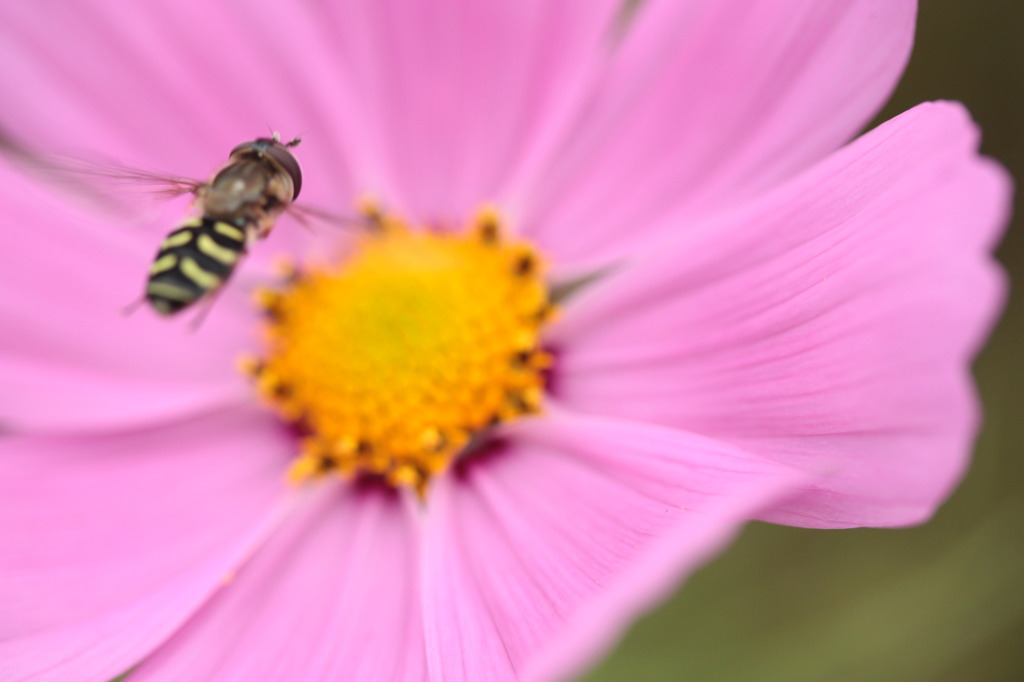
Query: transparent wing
pixel 113 177
pixel 310 216
pixel 98 179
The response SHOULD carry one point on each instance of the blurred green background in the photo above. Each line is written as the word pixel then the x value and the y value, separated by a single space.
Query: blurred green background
pixel 941 602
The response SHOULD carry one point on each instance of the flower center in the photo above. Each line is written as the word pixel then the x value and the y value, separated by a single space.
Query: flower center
pixel 394 362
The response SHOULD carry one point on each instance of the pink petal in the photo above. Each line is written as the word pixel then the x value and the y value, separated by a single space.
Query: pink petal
pixel 456 93
pixel 332 596
pixel 537 556
pixel 829 326
pixel 108 544
pixel 69 357
pixel 708 103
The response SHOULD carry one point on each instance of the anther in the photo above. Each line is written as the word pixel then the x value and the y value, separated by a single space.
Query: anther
pixel 547 312
pixel 525 264
pixel 432 439
pixel 308 467
pixel 521 358
pixel 405 475
pixel 531 397
pixel 268 301
pixel 284 269
pixel 542 360
pixel 525 340
pixel 344 446
pixel 488 226
pixel 302 470
pixel 271 385
pixel 249 364
pixel 371 211
pixel 523 402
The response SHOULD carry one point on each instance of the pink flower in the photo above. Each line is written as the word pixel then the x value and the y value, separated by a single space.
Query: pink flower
pixel 783 332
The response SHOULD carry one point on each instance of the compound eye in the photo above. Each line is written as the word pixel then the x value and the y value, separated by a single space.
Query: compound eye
pixel 289 163
pixel 242 149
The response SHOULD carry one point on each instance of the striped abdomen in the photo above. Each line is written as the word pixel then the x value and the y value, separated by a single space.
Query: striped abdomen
pixel 193 261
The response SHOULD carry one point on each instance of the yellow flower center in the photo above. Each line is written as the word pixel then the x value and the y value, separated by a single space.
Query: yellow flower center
pixel 394 362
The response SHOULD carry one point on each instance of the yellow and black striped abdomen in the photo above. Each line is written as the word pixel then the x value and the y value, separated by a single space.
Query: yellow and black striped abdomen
pixel 193 261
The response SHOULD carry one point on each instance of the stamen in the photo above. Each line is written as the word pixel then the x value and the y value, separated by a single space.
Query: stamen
pixel 488 225
pixel 415 346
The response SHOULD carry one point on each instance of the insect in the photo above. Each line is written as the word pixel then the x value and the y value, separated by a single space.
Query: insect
pixel 235 208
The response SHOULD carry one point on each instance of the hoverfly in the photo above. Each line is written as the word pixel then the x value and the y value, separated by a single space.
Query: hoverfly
pixel 236 207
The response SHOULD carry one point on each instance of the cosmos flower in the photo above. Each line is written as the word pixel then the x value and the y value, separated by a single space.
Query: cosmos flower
pixel 442 463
